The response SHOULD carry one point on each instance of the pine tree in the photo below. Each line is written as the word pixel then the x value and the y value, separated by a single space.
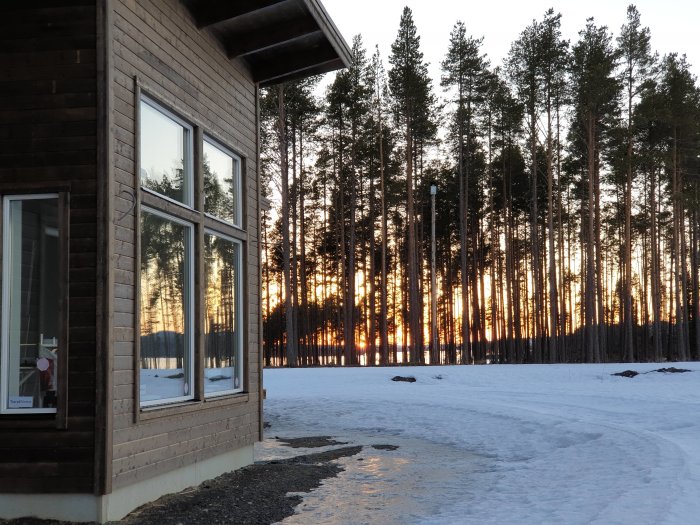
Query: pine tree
pixel 523 66
pixel 464 77
pixel 636 61
pixel 411 91
pixel 594 93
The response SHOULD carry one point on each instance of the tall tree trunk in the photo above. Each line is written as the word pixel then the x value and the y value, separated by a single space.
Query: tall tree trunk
pixel 553 298
pixel 565 333
pixel 463 176
pixel 510 274
pixel 384 321
pixel 303 304
pixel 655 270
pixel 535 242
pixel 593 351
pixel 679 251
pixel 293 246
pixel 695 228
pixel 414 312
pixel 627 273
pixel 286 263
pixel 599 276
pixel 371 279
pixel 352 243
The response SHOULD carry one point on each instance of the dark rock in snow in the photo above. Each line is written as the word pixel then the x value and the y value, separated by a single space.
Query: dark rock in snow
pixel 626 373
pixel 310 442
pixel 407 379
pixel 385 447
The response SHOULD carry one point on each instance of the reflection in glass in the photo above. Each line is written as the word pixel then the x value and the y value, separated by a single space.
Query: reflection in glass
pixel 223 370
pixel 31 302
pixel 164 148
pixel 221 184
pixel 164 308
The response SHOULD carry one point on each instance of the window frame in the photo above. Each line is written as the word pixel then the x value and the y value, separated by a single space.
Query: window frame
pixel 240 316
pixel 63 222
pixel 201 223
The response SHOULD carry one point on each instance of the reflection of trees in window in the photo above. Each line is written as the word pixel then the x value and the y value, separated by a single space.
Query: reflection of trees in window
pixel 221 261
pixel 163 261
pixel 165 153
pixel 220 184
pixel 171 187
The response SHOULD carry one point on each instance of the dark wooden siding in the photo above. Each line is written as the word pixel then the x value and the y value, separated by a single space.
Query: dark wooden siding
pixel 156 42
pixel 48 141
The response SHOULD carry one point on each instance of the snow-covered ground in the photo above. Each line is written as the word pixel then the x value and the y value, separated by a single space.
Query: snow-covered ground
pixel 499 444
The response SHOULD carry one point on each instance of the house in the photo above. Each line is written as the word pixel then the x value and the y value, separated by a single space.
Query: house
pixel 130 200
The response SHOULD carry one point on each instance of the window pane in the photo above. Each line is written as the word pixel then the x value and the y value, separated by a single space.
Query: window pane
pixel 31 302
pixel 164 151
pixel 221 184
pixel 222 323
pixel 166 362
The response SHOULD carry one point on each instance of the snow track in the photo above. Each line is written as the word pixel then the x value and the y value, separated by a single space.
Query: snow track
pixel 559 444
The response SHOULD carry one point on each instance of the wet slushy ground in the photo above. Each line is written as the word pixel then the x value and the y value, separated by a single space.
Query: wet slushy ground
pixel 393 480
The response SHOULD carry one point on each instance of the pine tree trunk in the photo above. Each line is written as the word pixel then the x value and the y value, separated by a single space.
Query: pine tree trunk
pixel 655 271
pixel 413 285
pixel 593 351
pixel 384 322
pixel 293 246
pixel 627 274
pixel 463 175
pixel 553 298
pixel 286 263
pixel 535 243
pixel 303 304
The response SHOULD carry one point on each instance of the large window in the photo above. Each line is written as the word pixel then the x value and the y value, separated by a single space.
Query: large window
pixel 222 315
pixel 191 246
pixel 166 309
pixel 31 322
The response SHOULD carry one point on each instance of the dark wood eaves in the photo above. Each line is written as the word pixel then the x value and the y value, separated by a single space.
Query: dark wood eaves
pixel 280 34
pixel 210 12
pixel 279 40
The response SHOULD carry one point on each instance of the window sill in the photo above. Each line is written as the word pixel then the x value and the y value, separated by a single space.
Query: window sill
pixel 38 420
pixel 187 407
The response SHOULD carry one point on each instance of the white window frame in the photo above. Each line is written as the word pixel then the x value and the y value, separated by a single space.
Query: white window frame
pixel 238 187
pixel 188 310
pixel 188 152
pixel 240 325
pixel 5 318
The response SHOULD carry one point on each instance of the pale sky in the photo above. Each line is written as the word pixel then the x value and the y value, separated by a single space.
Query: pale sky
pixel 674 24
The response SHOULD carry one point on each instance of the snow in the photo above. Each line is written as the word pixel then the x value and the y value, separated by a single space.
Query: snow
pixel 501 444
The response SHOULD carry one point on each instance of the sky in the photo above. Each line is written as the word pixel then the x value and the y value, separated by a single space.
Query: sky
pixel 497 444
pixel 673 23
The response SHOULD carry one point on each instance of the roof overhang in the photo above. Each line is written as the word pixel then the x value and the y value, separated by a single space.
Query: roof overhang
pixel 279 40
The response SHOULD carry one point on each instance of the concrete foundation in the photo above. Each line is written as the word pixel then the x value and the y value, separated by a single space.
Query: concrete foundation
pixel 114 506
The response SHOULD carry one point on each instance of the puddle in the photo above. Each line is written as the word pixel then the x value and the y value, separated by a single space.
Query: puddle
pixel 382 485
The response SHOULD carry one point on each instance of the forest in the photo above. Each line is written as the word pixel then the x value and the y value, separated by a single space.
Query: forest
pixel 544 210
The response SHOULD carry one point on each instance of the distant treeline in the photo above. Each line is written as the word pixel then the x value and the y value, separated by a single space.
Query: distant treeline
pixel 566 223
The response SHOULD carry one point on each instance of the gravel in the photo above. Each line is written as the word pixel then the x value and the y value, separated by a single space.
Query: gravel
pixel 256 495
